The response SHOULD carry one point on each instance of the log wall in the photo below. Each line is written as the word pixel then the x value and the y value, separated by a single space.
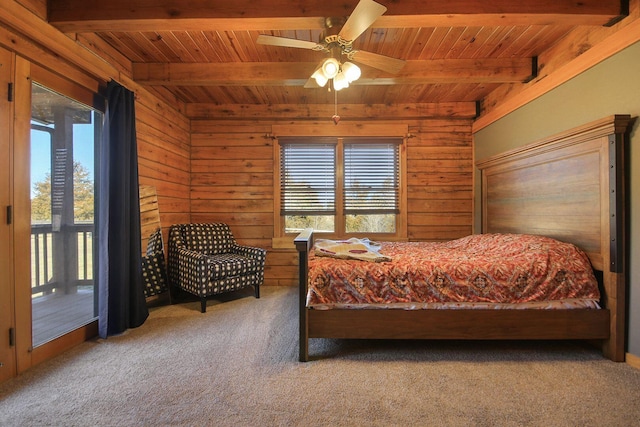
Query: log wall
pixel 232 181
pixel 215 163
pixel 163 130
pixel 164 157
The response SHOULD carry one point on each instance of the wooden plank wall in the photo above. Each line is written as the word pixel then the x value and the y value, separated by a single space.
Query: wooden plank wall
pixel 163 130
pixel 149 214
pixel 163 157
pixel 440 179
pixel 232 178
pixel 214 163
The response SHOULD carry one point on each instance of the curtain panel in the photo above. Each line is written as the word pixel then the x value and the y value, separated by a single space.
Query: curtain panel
pixel 121 301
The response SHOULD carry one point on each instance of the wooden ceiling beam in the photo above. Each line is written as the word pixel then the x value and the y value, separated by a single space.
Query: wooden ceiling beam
pixel 76 16
pixel 458 110
pixel 490 70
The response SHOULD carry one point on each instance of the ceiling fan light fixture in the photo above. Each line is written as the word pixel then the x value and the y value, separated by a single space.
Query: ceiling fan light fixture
pixel 338 43
pixel 340 81
pixel 320 78
pixel 351 71
pixel 330 68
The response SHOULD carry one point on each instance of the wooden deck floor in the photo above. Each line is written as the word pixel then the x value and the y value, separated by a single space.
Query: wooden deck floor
pixel 56 314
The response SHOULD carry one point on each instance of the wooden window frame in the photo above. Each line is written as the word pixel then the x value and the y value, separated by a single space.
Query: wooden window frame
pixel 346 131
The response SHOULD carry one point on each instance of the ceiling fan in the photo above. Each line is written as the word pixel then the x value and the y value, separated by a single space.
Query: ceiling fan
pixel 342 73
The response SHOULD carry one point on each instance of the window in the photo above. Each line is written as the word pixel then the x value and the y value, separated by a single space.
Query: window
pixel 371 186
pixel 308 189
pixel 340 186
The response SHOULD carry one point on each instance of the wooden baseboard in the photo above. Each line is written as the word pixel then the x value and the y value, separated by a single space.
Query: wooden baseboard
pixel 632 360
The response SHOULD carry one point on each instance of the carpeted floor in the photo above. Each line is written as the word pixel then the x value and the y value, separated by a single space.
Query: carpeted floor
pixel 237 365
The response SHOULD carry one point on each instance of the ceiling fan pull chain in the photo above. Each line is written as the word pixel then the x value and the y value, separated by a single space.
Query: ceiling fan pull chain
pixel 336 117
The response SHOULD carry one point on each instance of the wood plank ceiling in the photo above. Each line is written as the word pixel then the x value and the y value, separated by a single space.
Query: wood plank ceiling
pixel 206 52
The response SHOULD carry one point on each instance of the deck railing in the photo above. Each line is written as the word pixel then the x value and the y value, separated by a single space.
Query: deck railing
pixel 73 244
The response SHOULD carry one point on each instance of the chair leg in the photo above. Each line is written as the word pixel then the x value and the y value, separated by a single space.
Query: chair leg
pixel 257 288
pixel 203 305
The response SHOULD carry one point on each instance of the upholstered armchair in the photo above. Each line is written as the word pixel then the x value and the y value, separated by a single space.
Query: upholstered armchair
pixel 205 260
pixel 154 273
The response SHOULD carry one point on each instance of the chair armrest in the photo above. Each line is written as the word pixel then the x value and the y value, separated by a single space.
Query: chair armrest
pixel 192 257
pixel 250 252
pixel 193 269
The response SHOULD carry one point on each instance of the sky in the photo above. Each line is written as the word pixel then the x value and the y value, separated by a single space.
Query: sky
pixel 83 152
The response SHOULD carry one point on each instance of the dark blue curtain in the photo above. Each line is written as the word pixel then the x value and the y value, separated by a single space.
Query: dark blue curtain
pixel 121 302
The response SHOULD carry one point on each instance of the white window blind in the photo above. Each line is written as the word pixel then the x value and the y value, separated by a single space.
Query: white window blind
pixel 307 178
pixel 371 177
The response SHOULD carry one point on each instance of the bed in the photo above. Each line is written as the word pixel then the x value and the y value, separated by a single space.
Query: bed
pixel 568 188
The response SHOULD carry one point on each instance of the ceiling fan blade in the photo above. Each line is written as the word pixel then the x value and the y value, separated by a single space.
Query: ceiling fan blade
pixel 381 62
pixel 287 42
pixel 365 14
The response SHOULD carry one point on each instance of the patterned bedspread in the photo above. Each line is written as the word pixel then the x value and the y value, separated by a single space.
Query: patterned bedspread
pixel 477 270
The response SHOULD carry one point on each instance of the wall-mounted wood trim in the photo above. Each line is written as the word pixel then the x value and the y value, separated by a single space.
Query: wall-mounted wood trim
pixel 64 86
pixel 37 54
pixel 598 128
pixel 613 44
pixel 279 112
pixel 34 28
pixel 342 129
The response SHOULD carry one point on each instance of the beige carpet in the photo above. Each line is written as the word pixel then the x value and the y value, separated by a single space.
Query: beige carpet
pixel 237 365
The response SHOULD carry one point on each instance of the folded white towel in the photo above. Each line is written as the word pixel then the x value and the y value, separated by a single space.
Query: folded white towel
pixel 353 248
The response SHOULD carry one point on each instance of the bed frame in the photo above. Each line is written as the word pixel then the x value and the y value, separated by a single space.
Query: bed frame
pixel 570 187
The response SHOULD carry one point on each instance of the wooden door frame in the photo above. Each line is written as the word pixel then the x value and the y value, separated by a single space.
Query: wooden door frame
pixel 15 283
pixel 22 212
pixel 7 290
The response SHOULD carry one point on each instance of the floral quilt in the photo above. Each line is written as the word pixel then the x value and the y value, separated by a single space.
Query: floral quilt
pixel 482 268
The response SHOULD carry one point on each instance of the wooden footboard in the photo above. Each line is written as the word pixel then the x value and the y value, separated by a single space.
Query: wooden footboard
pixel 459 324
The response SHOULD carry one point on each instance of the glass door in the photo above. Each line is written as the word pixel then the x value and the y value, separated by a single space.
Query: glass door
pixel 64 138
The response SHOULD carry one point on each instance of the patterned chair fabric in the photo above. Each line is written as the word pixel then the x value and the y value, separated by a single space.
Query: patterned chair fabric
pixel 205 260
pixel 154 273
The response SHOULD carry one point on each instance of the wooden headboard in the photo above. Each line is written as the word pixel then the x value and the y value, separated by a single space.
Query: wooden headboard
pixel 570 187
